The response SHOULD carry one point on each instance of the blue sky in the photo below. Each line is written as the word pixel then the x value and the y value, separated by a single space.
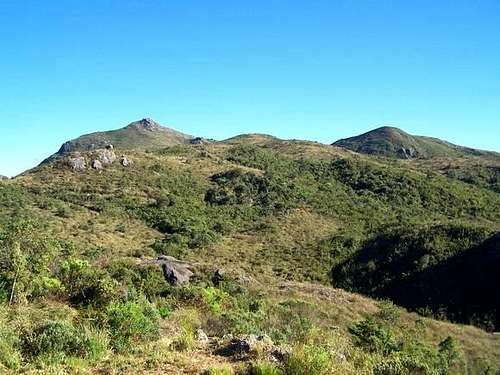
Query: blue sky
pixel 318 70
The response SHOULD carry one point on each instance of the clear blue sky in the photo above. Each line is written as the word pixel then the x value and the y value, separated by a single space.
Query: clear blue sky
pixel 318 70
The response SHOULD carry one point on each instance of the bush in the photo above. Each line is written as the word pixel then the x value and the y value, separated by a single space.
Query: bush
pixel 189 322
pixel 309 360
pixel 451 354
pixel 93 343
pixel 265 368
pixel 214 298
pixel 132 322
pixel 373 336
pixel 163 307
pixel 85 284
pixel 219 370
pixel 402 365
pixel 52 338
pixel 9 355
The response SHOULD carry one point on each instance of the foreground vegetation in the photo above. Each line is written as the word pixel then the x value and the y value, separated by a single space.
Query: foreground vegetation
pixel 281 221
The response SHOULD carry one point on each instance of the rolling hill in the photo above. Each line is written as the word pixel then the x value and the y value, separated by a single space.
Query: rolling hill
pixel 393 142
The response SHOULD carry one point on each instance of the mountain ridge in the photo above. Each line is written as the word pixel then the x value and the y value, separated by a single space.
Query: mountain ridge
pixel 386 141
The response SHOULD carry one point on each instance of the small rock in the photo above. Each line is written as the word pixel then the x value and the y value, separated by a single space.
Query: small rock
pixel 280 353
pixel 125 162
pixel 197 141
pixel 77 163
pixel 340 357
pixel 201 337
pixel 242 346
pixel 218 277
pixel 110 147
pixel 97 165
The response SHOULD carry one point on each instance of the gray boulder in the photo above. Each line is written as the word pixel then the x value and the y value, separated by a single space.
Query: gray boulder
pixel 242 346
pixel 218 277
pixel 77 163
pixel 125 162
pixel 106 155
pixel 97 165
pixel 176 272
pixel 201 337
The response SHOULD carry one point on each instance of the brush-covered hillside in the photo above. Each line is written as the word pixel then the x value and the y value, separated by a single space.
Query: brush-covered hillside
pixel 229 258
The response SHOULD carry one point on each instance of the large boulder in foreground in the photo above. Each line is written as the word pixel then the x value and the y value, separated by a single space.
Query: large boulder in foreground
pixel 176 272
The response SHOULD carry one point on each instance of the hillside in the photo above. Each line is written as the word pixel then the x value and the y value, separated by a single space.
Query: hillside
pixel 393 142
pixel 264 227
pixel 142 134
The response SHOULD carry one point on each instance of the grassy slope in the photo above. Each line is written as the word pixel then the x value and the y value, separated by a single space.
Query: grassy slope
pixel 388 141
pixel 327 193
pixel 142 134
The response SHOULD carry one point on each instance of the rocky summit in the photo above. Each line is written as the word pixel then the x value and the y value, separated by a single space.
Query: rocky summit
pixel 142 134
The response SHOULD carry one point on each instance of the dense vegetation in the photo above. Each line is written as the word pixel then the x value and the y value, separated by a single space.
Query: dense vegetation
pixel 282 220
pixel 424 267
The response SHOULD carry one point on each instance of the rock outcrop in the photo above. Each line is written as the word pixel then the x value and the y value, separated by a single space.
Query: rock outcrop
pixel 124 161
pixel 106 155
pixel 97 159
pixel 77 163
pixel 96 164
pixel 176 272
pixel 240 347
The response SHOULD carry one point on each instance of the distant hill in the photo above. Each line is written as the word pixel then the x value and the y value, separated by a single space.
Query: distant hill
pixel 253 138
pixel 394 142
pixel 142 134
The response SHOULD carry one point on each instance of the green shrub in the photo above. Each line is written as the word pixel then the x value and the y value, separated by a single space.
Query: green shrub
pixel 93 343
pixel 309 360
pixel 132 322
pixel 9 342
pixel 163 307
pixel 213 298
pixel 402 365
pixel 53 337
pixel 389 312
pixel 452 357
pixel 265 368
pixel 219 370
pixel 373 336
pixel 189 322
pixel 85 284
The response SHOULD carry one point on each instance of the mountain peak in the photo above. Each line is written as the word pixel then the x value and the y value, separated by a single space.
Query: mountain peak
pixel 142 134
pixel 393 142
pixel 147 124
